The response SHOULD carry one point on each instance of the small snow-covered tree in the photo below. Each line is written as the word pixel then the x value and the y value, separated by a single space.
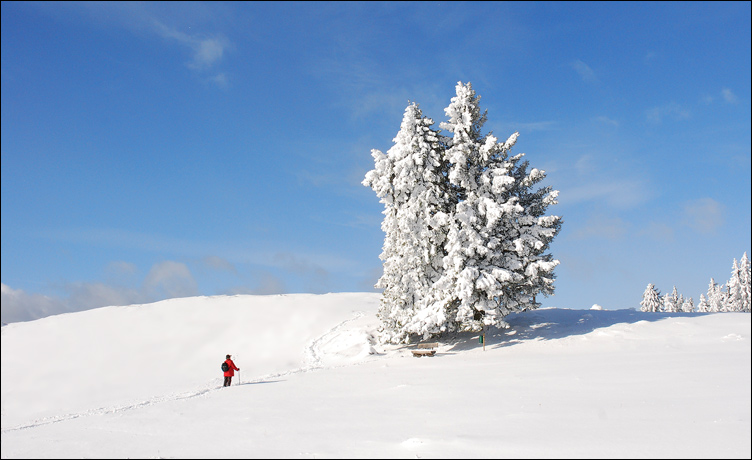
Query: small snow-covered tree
pixel 671 302
pixel 409 181
pixel 737 294
pixel 651 299
pixel 667 304
pixel 703 306
pixel 688 305
pixel 734 288
pixel 745 280
pixel 716 297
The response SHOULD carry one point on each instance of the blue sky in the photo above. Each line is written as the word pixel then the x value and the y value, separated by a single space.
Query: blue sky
pixel 155 150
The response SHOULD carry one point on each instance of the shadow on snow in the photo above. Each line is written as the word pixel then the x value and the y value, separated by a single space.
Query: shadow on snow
pixel 551 324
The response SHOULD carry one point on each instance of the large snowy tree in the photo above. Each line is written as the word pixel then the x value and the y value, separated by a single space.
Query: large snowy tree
pixel 483 219
pixel 409 181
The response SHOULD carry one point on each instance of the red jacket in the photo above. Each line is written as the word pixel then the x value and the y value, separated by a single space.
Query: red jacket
pixel 231 371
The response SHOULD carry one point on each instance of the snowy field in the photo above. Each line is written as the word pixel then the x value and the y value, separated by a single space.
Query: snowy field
pixel 143 381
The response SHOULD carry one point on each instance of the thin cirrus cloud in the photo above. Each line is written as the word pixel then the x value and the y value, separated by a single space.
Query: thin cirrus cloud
pixel 659 232
pixel 704 215
pixel 729 96
pixel 672 110
pixel 607 121
pixel 601 227
pixel 584 70
pixel 207 51
pixel 625 193
pixel 220 80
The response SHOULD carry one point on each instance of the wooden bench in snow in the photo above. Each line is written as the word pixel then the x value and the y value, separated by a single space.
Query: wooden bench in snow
pixel 425 349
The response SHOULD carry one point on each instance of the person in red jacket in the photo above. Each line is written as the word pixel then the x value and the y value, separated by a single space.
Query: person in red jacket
pixel 230 371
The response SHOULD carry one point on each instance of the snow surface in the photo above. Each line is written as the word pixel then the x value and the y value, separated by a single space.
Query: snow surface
pixel 144 381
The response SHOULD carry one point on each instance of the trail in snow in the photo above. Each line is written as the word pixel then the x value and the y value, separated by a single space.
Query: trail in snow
pixel 313 351
pixel 313 360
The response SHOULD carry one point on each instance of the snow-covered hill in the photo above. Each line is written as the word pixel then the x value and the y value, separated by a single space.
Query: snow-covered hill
pixel 143 381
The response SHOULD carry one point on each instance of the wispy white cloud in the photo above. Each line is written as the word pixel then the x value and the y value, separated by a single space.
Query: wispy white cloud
pixel 268 284
pixel 318 179
pixel 584 71
pixel 220 80
pixel 218 263
pixel 585 165
pixel 704 215
pixel 151 19
pixel 313 274
pixel 85 296
pixel 207 51
pixel 611 228
pixel 671 110
pixel 110 237
pixel 607 121
pixel 121 268
pixel 300 265
pixel 729 96
pixel 726 94
pixel 167 279
pixel 170 279
pixel 620 193
pixel 17 305
pixel 659 232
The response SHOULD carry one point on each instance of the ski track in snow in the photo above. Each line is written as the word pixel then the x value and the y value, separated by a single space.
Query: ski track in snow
pixel 312 361
pixel 313 352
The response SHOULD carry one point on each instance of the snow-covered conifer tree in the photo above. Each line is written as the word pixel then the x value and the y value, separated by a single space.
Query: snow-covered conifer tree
pixel 651 299
pixel 716 297
pixel 667 303
pixel 466 236
pixel 734 286
pixel 703 306
pixel 498 235
pixel 688 306
pixel 672 302
pixel 745 280
pixel 409 181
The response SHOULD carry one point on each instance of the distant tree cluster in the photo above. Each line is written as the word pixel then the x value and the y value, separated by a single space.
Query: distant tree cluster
pixel 466 235
pixel 734 296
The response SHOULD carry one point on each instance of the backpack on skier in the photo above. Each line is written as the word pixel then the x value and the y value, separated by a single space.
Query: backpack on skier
pixel 225 366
